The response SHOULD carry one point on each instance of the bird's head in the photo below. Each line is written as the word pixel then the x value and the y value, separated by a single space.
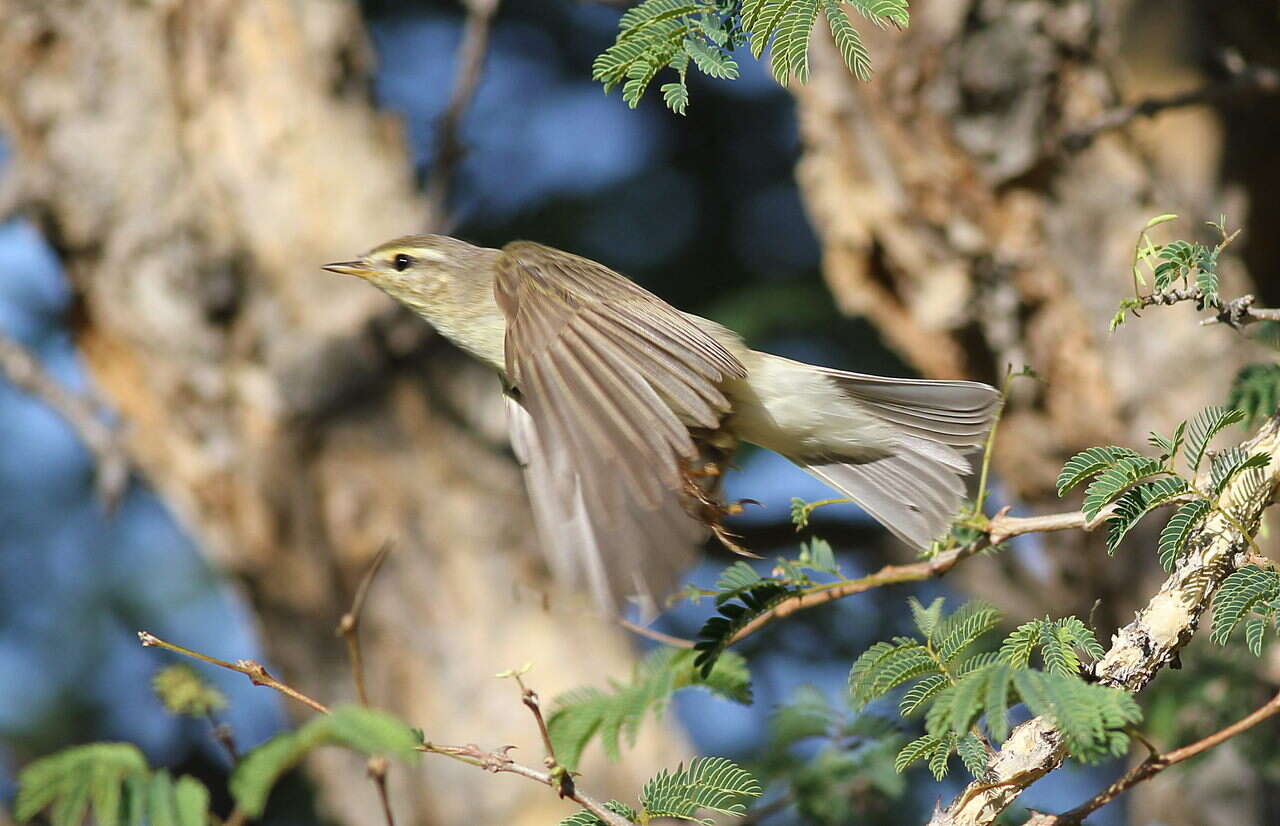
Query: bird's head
pixel 429 273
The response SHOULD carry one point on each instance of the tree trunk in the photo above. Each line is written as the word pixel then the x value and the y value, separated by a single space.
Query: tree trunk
pixel 955 214
pixel 956 218
pixel 194 162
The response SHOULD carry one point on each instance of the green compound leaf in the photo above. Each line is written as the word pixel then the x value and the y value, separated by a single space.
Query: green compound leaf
pixel 885 666
pixel 1207 424
pixel 711 60
pixel 1230 463
pixel 709 783
pixel 583 714
pixel 1114 480
pixel 676 96
pixel 920 694
pixel 973 754
pixel 1137 502
pixel 585 818
pixel 1092 718
pixel 1240 593
pixel 960 630
pixel 1088 463
pixel 883 13
pixel 1018 647
pixel 1256 392
pixel 1173 539
pixel 362 729
pixel 71 781
pixel 848 41
pixel 933 749
pixel 926 619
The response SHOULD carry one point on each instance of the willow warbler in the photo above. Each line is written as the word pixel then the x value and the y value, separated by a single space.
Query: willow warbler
pixel 621 407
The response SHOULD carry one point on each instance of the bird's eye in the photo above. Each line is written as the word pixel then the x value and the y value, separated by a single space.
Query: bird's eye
pixel 402 262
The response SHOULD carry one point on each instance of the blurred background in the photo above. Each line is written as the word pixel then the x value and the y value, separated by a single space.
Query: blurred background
pixel 173 174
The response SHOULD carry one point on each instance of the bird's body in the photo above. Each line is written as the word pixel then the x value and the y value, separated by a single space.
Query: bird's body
pixel 616 399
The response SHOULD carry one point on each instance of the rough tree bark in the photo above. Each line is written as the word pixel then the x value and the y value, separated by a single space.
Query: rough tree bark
pixel 193 162
pixel 954 214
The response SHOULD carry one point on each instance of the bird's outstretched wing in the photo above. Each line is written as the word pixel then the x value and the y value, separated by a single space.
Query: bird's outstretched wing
pixel 611 378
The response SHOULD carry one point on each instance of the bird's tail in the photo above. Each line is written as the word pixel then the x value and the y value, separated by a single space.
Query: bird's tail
pixel 911 480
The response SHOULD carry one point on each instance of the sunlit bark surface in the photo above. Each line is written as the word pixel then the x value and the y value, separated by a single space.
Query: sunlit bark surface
pixel 193 162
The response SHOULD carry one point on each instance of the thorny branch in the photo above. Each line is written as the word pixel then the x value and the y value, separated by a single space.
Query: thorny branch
pixel 349 626
pixel 559 773
pixel 1144 646
pixel 499 762
pixel 1244 81
pixel 349 629
pixel 449 149
pixel 999 528
pixel 1153 765
pixel 471 754
pixel 257 674
pixel 1236 313
pixel 111 461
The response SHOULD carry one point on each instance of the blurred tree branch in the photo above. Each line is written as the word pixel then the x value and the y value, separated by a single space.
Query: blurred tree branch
pixel 449 149
pixel 558 778
pixel 1242 82
pixel 280 413
pixel 86 418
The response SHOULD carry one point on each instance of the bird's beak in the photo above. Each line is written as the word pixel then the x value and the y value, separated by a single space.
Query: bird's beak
pixel 355 268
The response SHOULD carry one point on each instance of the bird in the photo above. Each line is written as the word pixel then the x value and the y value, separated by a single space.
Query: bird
pixel 624 411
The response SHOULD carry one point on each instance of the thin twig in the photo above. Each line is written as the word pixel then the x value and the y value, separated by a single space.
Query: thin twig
pixel 449 149
pixel 349 626
pixel 999 528
pixel 499 762
pixel 376 768
pixel 111 462
pixel 349 629
pixel 1236 313
pixel 470 754
pixel 1155 764
pixel 1245 81
pixel 254 671
pixel 558 772
pixel 657 636
pixel 223 734
pixel 888 575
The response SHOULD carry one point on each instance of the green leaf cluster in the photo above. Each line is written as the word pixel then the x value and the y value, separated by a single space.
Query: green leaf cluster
pixel 361 729
pixel 114 782
pixel 1058 641
pixel 185 693
pixel 585 818
pixel 856 751
pixel 955 685
pixel 1189 263
pixel 742 594
pixel 1192 263
pixel 1248 598
pixel 585 713
pixel 1134 484
pixel 677 34
pixel 1255 392
pixel 707 784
